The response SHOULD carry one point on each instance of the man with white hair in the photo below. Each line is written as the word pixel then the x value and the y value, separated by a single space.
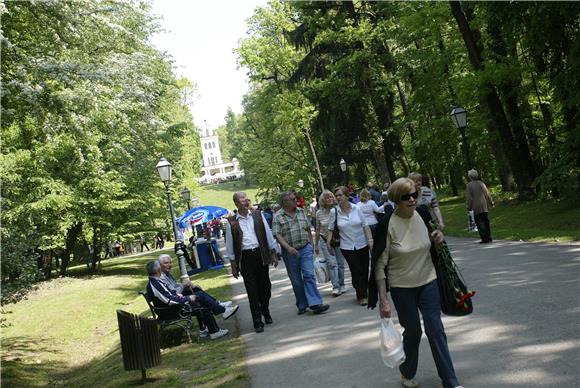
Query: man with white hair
pixel 162 296
pixel 479 200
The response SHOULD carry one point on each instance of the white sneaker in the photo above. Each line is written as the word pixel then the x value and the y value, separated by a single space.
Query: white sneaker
pixel 226 304
pixel 218 334
pixel 409 383
pixel 230 311
pixel 203 333
pixel 342 289
pixel 336 292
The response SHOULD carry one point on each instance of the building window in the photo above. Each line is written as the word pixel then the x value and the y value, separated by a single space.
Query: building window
pixel 213 144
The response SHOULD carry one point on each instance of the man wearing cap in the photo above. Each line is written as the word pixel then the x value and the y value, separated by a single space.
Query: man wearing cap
pixel 250 247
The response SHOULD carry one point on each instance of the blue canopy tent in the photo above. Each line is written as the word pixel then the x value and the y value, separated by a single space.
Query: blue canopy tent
pixel 199 215
pixel 207 251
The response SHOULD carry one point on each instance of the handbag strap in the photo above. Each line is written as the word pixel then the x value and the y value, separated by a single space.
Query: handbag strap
pixel 336 219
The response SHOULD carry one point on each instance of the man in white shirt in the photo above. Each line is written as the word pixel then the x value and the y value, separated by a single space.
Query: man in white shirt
pixel 250 247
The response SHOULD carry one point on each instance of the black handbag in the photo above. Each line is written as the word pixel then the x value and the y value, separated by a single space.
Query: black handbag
pixel 335 240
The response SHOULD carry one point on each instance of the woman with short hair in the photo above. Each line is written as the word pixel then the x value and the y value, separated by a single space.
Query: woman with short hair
pixel 368 207
pixel 356 241
pixel 406 266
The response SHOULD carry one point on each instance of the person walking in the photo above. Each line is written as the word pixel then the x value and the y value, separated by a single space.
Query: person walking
pixel 356 241
pixel 292 230
pixel 427 197
pixel 250 247
pixel 143 243
pixel 402 261
pixel 368 207
pixel 479 200
pixel 335 261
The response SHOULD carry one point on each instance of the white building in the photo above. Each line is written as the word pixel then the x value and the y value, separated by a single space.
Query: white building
pixel 213 166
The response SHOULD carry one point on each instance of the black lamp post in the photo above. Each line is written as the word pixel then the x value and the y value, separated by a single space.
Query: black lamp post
pixel 186 195
pixel 164 169
pixel 459 118
pixel 342 165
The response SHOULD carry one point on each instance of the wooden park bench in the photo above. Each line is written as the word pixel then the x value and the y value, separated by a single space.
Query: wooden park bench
pixel 181 315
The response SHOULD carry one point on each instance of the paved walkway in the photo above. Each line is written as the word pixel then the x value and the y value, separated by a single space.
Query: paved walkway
pixel 524 332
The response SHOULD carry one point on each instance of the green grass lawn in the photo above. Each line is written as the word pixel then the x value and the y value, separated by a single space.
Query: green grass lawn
pixel 545 221
pixel 65 333
pixel 221 194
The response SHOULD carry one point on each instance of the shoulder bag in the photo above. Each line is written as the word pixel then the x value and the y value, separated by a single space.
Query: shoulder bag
pixel 335 241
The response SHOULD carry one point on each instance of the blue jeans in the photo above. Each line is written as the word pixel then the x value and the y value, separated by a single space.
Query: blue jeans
pixel 408 302
pixel 335 264
pixel 300 270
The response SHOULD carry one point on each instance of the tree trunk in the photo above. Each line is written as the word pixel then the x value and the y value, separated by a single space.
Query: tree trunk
pixel 497 115
pixel 71 240
pixel 509 90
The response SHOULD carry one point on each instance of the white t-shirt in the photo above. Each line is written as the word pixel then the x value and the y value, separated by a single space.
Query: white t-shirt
pixel 351 228
pixel 368 209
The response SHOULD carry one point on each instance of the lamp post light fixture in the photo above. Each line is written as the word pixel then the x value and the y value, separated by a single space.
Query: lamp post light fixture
pixel 459 118
pixel 164 169
pixel 342 165
pixel 186 195
pixel 300 183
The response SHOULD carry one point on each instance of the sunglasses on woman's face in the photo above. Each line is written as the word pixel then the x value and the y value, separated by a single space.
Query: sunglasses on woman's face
pixel 407 197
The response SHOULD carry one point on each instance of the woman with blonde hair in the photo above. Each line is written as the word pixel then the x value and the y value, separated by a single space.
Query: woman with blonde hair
pixel 368 207
pixel 335 261
pixel 402 261
pixel 356 241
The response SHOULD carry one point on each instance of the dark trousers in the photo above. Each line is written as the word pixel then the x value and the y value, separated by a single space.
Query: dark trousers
pixel 143 244
pixel 358 262
pixel 482 222
pixel 408 302
pixel 206 318
pixel 257 282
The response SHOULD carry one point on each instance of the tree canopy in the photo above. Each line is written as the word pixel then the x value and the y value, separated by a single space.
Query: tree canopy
pixel 375 82
pixel 88 107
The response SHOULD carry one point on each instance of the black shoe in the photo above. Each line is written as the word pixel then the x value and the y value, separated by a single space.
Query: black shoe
pixel 301 311
pixel 259 326
pixel 319 308
pixel 268 319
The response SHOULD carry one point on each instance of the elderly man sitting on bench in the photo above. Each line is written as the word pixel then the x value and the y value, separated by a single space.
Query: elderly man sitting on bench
pixel 163 296
pixel 188 288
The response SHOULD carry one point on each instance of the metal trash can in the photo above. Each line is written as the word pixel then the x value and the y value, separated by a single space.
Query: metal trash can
pixel 139 342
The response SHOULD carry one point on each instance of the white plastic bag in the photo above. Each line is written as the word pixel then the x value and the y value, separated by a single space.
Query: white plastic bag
pixel 320 270
pixel 471 227
pixel 391 340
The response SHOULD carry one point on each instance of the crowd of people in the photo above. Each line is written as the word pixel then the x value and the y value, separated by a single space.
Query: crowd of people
pixel 384 237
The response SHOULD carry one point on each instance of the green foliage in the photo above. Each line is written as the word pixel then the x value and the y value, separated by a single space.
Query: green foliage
pixel 375 83
pixel 88 107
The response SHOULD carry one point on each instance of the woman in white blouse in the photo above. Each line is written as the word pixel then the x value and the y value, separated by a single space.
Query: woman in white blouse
pixel 368 208
pixel 356 241
pixel 335 261
pixel 406 269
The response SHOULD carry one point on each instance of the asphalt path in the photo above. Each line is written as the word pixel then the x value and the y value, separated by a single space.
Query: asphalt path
pixel 524 332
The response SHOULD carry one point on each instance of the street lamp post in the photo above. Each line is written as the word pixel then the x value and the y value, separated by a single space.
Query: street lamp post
pixel 459 118
pixel 164 169
pixel 342 165
pixel 186 195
